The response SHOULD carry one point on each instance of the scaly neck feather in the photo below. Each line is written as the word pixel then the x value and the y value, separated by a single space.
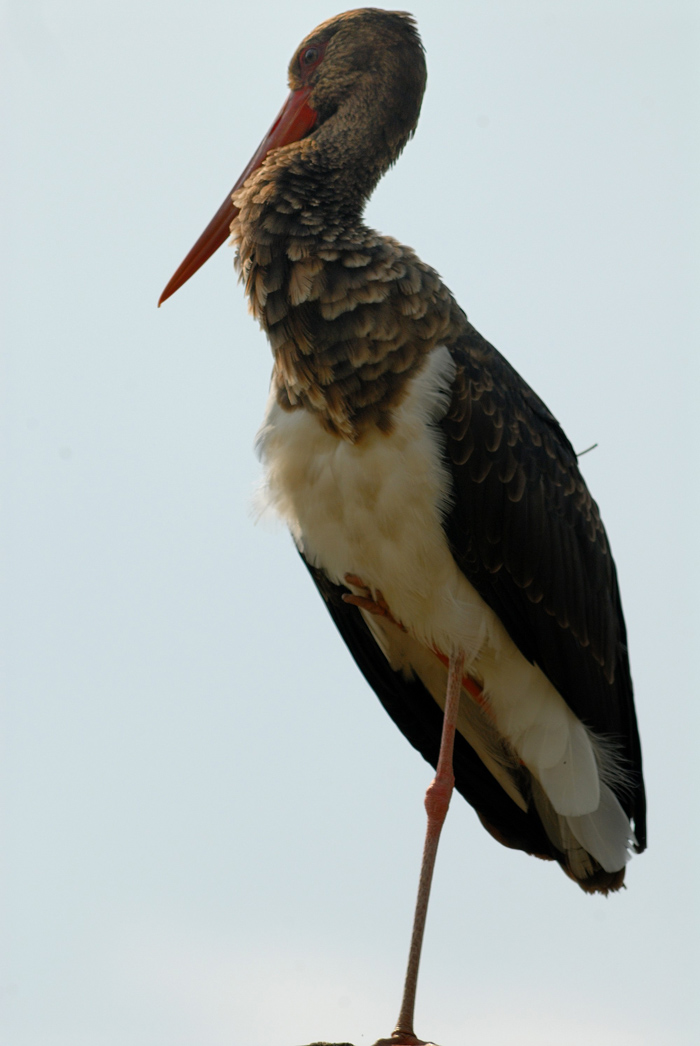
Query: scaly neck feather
pixel 351 315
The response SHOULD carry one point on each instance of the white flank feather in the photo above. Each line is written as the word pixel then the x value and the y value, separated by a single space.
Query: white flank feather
pixel 606 833
pixel 572 783
pixel 549 739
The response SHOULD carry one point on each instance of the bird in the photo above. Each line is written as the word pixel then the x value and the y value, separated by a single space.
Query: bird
pixel 435 500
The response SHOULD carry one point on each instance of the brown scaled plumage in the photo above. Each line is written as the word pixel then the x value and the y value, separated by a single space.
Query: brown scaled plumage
pixel 351 315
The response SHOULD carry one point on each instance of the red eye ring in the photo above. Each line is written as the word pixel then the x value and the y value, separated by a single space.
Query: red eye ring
pixel 310 57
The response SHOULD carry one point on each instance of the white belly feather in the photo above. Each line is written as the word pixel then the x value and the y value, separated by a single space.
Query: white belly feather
pixel 375 509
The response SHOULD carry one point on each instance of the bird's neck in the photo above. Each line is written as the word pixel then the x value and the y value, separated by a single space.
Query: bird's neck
pixel 351 315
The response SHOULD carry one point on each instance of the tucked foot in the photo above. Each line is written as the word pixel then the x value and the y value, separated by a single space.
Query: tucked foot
pixel 377 606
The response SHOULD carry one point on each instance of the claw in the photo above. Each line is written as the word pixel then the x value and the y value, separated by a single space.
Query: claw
pixel 373 605
pixel 402 1040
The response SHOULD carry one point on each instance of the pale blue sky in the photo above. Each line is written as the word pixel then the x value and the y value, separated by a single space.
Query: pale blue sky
pixel 211 830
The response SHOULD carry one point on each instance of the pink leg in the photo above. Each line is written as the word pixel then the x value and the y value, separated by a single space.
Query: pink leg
pixel 437 801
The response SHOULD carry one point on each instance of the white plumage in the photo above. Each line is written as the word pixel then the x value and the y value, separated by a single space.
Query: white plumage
pixel 375 509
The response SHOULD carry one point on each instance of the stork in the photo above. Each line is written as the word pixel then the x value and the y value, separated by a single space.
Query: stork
pixel 434 498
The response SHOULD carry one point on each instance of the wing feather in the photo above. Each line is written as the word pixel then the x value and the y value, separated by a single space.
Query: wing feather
pixel 527 534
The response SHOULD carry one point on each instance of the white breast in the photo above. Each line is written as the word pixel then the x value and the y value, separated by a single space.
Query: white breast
pixel 375 509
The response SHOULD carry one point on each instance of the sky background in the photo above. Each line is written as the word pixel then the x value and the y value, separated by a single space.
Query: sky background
pixel 210 828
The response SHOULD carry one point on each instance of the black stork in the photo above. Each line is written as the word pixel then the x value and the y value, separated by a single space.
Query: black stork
pixel 434 498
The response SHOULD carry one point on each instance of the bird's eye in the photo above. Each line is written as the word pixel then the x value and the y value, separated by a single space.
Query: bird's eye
pixel 310 58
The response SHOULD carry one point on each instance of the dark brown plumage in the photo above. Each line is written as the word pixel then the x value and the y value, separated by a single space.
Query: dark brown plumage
pixel 352 317
pixel 409 458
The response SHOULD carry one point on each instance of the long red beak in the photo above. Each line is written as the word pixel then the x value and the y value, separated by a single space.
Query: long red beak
pixel 294 121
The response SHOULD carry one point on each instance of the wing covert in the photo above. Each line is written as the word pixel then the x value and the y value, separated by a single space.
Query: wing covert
pixel 527 534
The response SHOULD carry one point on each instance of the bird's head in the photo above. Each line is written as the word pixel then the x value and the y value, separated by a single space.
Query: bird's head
pixel 366 73
pixel 357 84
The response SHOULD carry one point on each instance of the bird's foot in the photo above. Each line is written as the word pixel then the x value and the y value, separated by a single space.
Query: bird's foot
pixel 376 605
pixel 402 1039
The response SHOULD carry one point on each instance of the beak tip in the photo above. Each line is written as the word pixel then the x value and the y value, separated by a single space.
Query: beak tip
pixel 168 292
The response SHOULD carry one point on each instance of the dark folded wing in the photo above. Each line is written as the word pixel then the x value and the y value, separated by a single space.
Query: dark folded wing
pixel 525 531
